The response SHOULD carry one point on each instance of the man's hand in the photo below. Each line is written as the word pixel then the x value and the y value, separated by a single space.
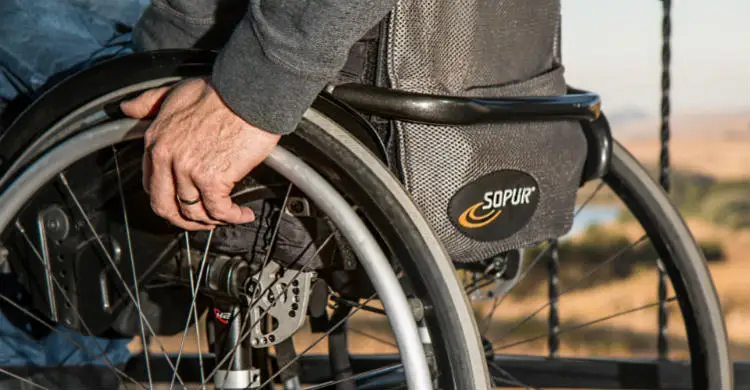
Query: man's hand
pixel 196 150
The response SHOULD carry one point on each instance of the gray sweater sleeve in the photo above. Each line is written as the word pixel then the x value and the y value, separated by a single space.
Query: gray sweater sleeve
pixel 283 53
pixel 279 56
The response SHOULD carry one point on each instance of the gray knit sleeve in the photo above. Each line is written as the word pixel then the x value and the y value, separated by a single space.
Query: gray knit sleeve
pixel 277 54
pixel 283 52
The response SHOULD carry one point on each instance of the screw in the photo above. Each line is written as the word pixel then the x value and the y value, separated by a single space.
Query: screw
pixel 292 313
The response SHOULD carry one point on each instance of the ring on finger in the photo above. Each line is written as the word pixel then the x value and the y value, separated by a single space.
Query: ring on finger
pixel 188 202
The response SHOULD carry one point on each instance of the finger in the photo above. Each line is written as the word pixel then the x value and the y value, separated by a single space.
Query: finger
pixel 219 205
pixel 146 104
pixel 162 192
pixel 187 191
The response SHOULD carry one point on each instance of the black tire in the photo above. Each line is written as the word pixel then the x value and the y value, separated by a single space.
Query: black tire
pixel 685 264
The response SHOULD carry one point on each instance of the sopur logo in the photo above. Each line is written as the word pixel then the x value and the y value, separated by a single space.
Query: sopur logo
pixel 495 206
pixel 492 206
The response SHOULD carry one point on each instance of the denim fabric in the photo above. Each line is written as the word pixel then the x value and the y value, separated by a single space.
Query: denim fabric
pixel 40 41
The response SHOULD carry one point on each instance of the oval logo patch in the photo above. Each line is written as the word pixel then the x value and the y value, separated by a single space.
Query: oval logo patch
pixel 494 206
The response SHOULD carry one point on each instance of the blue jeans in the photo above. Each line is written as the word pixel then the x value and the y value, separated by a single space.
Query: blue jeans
pixel 41 41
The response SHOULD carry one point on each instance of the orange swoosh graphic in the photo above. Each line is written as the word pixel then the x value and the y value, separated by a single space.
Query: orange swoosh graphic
pixel 482 220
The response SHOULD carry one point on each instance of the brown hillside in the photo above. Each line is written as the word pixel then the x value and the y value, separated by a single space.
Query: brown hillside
pixel 715 145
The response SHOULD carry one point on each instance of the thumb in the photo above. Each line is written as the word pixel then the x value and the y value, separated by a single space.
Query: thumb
pixel 145 105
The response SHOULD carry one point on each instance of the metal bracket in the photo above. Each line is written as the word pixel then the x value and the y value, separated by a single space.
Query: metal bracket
pixel 285 302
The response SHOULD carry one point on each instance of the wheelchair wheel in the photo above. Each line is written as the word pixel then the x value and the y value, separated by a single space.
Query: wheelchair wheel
pixel 581 312
pixel 78 233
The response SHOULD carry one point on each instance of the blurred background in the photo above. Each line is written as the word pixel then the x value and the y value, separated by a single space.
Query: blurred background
pixel 614 48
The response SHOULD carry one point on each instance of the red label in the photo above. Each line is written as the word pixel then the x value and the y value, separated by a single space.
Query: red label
pixel 222 317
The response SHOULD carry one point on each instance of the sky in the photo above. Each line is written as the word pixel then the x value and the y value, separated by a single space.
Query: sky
pixel 613 47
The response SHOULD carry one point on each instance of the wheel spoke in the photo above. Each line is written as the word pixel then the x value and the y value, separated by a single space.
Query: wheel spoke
pixel 575 285
pixel 194 287
pixel 195 315
pixel 269 251
pixel 128 237
pixel 316 342
pixel 593 322
pixel 266 259
pixel 479 286
pixel 509 379
pixel 112 263
pixel 47 268
pixel 101 357
pixel 361 375
pixel 487 320
pixel 102 353
pixel 373 337
pixel 244 331
pixel 351 303
pixel 22 379
pixel 589 199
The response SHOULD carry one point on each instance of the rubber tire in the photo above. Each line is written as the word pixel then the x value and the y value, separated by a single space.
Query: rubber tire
pixel 686 266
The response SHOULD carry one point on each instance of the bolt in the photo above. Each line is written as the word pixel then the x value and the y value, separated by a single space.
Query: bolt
pixel 296 207
pixel 271 338
pixel 417 308
pixel 52 224
pixel 56 222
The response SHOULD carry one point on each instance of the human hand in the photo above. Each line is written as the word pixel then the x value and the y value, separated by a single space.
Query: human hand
pixel 196 150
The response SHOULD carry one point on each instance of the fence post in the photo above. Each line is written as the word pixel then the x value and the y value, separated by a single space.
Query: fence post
pixel 664 169
pixel 553 339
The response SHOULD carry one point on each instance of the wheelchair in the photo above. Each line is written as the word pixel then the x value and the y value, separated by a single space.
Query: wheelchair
pixel 72 202
pixel 340 235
